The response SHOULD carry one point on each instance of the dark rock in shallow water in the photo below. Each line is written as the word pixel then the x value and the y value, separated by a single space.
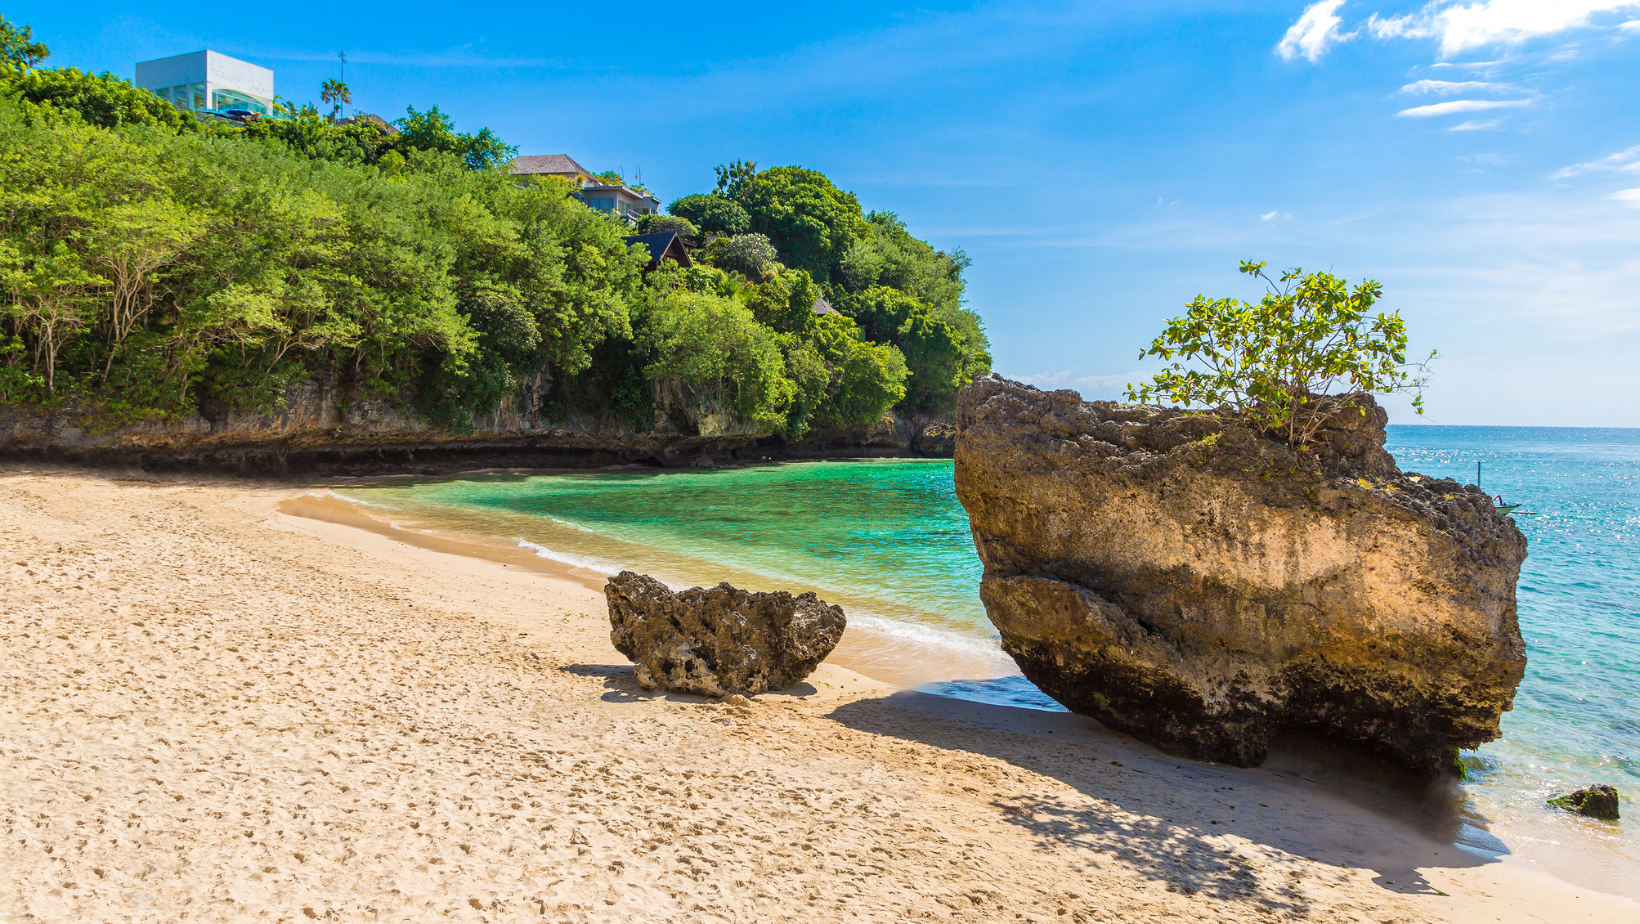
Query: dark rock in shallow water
pixel 1201 586
pixel 1596 802
pixel 721 640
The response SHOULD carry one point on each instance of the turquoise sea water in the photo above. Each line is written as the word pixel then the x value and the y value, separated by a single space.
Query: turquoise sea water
pixel 1576 719
pixel 888 541
pixel 885 539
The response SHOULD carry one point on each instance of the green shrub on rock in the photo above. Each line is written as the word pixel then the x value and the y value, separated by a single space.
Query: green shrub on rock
pixel 1270 362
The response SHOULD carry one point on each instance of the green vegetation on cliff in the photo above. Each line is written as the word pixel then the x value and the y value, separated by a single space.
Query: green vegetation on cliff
pixel 153 265
pixel 898 289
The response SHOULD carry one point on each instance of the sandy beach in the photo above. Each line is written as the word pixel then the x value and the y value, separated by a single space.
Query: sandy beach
pixel 215 710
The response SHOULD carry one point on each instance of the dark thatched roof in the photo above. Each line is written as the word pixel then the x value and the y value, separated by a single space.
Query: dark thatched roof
pixel 663 245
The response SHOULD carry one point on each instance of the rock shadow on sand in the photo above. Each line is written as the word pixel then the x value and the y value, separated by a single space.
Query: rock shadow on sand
pixel 1197 827
pixel 621 685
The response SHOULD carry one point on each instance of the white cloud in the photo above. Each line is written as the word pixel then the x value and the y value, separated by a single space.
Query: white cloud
pixel 1623 161
pixel 1449 87
pixel 1463 105
pixel 1461 26
pixel 1476 125
pixel 1315 31
pixel 1268 215
pixel 1632 25
pixel 1629 197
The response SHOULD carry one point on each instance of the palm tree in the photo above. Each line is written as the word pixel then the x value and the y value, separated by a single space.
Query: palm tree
pixel 337 95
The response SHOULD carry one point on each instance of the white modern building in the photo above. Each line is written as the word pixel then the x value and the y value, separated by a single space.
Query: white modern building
pixel 208 81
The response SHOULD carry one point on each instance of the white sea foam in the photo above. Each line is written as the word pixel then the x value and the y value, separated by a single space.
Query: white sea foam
pixel 600 565
pixel 352 500
pixel 917 635
pixel 572 525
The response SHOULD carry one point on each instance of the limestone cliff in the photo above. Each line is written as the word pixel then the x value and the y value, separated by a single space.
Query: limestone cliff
pixel 1202 586
pixel 323 428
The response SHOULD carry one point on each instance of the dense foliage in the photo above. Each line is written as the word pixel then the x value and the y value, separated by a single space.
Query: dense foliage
pixel 1269 362
pixel 712 214
pixel 154 264
pixel 899 290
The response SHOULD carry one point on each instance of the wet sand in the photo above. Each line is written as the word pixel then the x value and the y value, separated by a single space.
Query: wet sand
pixel 216 711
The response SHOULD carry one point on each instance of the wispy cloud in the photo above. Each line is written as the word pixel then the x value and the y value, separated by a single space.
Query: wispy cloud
pixel 456 58
pixel 1629 197
pixel 1268 215
pixel 1623 161
pixel 1476 125
pixel 1462 105
pixel 1315 31
pixel 1461 25
pixel 1449 87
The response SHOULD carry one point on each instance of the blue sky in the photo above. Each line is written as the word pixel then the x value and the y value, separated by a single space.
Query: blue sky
pixel 1101 163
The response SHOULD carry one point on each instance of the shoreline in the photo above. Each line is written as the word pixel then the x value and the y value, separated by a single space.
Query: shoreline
pixel 185 632
pixel 1395 795
pixel 875 645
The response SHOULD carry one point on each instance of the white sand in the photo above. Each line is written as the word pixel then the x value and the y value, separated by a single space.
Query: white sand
pixel 216 712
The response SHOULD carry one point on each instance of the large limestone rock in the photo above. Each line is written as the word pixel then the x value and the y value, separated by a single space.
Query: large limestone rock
pixel 1201 586
pixel 721 640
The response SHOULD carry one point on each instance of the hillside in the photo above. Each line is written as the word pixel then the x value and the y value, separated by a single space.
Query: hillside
pixel 160 271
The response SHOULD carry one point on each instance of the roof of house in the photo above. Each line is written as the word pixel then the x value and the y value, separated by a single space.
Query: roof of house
pixel 821 306
pixel 557 164
pixel 662 245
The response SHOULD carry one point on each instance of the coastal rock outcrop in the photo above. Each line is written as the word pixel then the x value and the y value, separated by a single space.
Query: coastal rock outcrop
pixel 1599 801
pixel 1202 586
pixel 720 640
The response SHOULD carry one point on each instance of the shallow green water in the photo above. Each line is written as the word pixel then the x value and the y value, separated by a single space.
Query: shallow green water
pixel 886 539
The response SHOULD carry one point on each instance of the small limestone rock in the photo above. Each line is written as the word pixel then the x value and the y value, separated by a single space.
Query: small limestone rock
pixel 1596 802
pixel 719 641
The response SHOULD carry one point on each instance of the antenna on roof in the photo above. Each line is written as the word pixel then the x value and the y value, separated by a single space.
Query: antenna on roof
pixel 342 56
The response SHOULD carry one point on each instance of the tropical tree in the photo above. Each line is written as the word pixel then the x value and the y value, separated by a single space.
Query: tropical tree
pixel 1269 362
pixel 100 99
pixel 867 378
pixel 712 214
pixel 335 94
pixel 128 244
pixel 19 52
pixel 650 224
pixel 807 218
pixel 748 254
pixel 434 131
pixel 48 292
pixel 713 350
pixel 784 302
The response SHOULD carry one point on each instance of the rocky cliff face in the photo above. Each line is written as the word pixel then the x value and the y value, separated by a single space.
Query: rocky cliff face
pixel 324 429
pixel 1201 586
